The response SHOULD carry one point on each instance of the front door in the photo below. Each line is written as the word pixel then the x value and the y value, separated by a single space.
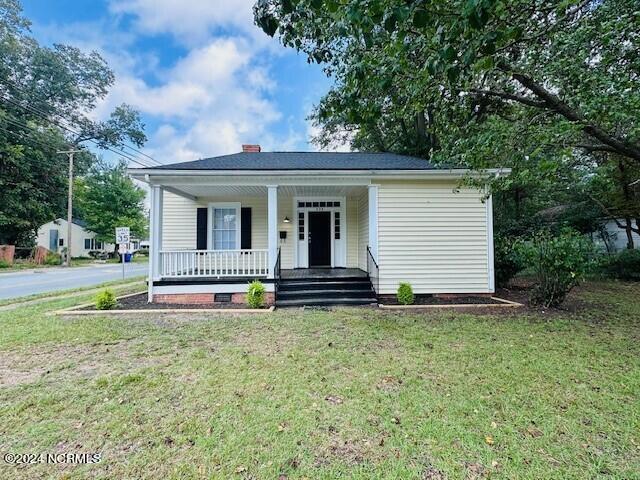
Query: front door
pixel 319 239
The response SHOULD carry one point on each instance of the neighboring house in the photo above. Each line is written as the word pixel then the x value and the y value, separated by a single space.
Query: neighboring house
pixel 53 236
pixel 612 238
pixel 315 227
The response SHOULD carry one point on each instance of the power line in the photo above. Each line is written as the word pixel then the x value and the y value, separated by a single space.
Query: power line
pixel 19 88
pixel 41 142
pixel 124 155
pixel 44 116
pixel 58 123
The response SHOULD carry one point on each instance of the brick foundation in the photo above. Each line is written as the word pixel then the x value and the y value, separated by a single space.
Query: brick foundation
pixel 205 298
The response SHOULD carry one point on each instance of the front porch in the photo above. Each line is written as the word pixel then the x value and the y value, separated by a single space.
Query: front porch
pixel 217 237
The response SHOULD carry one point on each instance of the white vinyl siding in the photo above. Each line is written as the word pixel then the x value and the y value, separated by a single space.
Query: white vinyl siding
pixel 363 230
pixel 352 232
pixel 432 236
pixel 179 222
pixel 179 219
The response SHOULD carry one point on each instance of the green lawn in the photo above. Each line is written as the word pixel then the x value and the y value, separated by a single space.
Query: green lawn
pixel 315 394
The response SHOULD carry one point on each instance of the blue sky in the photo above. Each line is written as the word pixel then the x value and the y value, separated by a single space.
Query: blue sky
pixel 204 78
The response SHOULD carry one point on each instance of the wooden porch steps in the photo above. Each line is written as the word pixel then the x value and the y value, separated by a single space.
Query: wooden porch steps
pixel 325 292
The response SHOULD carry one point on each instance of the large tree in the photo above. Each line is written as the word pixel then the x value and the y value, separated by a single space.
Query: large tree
pixel 46 96
pixel 107 198
pixel 549 88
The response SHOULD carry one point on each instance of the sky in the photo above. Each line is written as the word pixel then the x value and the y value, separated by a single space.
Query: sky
pixel 204 78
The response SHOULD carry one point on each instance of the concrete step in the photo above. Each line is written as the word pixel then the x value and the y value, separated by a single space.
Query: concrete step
pixel 309 302
pixel 326 293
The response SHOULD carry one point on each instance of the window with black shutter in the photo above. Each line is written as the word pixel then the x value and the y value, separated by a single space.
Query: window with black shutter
pixel 245 228
pixel 201 228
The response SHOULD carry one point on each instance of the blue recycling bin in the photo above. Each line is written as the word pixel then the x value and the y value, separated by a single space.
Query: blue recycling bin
pixel 127 257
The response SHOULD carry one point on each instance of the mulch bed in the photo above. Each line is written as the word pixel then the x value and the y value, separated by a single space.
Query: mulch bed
pixel 139 302
pixel 429 300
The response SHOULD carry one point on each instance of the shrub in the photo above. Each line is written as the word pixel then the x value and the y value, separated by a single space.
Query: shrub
pixel 624 265
pixel 106 300
pixel 405 294
pixel 4 264
pixel 507 260
pixel 255 294
pixel 52 259
pixel 559 263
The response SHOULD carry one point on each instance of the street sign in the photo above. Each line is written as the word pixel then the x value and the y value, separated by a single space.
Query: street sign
pixel 122 235
pixel 123 238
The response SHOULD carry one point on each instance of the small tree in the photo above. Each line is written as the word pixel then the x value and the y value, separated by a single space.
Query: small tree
pixel 255 294
pixel 107 198
pixel 405 294
pixel 559 264
pixel 106 300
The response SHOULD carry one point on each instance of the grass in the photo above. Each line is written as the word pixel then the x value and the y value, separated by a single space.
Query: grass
pixel 141 279
pixel 21 264
pixel 352 393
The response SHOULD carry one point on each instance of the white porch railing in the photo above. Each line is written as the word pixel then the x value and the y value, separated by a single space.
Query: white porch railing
pixel 213 263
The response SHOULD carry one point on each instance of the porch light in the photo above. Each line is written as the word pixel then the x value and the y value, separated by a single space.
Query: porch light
pixel 286 220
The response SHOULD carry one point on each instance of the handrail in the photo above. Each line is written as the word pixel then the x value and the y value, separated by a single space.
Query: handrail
pixel 276 276
pixel 373 271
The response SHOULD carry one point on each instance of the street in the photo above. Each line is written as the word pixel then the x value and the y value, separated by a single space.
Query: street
pixel 20 284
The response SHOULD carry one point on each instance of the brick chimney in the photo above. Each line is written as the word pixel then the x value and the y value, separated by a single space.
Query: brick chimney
pixel 251 148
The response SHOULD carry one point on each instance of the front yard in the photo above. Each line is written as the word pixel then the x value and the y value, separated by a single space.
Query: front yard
pixel 317 394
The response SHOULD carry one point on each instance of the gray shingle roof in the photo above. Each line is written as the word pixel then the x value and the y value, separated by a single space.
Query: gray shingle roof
pixel 305 161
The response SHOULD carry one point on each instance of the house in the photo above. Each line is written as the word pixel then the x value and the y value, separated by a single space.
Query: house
pixel 315 227
pixel 611 238
pixel 53 236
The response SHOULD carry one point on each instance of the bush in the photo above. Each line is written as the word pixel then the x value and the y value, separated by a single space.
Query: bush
pixel 624 265
pixel 106 300
pixel 52 259
pixel 4 264
pixel 507 260
pixel 405 294
pixel 559 263
pixel 255 294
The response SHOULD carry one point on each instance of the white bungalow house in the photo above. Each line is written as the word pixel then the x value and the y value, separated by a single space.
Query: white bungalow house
pixel 53 236
pixel 316 228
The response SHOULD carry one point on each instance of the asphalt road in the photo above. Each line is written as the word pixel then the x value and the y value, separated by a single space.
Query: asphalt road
pixel 41 280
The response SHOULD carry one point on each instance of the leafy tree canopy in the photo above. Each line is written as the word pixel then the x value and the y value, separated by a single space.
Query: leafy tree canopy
pixel 107 198
pixel 46 96
pixel 548 88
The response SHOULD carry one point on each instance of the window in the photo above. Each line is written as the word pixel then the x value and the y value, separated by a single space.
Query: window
pixel 225 234
pixel 87 244
pixel 61 242
pixel 300 225
pixel 98 245
pixel 336 226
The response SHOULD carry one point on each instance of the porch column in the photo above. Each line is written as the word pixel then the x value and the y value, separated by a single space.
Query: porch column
pixel 272 222
pixel 373 221
pixel 155 235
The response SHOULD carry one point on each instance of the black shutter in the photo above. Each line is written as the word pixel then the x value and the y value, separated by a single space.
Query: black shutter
pixel 201 229
pixel 245 233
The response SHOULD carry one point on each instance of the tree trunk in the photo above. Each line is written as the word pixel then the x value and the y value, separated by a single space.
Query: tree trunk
pixel 629 230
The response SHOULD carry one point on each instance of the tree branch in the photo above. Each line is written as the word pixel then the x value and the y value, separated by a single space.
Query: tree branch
pixel 510 96
pixel 554 103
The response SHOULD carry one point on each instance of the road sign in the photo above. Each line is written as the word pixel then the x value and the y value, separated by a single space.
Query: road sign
pixel 122 235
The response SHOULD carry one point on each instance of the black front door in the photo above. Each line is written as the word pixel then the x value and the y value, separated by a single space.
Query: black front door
pixel 319 239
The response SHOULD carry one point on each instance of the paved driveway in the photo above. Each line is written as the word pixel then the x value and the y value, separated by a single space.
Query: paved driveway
pixel 29 282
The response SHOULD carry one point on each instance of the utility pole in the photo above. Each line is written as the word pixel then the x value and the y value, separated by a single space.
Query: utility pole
pixel 67 259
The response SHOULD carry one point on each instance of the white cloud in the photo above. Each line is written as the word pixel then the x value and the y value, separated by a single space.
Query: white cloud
pixel 208 102
pixel 190 21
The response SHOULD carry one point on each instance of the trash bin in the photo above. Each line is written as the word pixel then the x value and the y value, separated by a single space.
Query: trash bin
pixel 127 257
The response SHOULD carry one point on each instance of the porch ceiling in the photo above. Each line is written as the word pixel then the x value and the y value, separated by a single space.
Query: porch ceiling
pixel 204 191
